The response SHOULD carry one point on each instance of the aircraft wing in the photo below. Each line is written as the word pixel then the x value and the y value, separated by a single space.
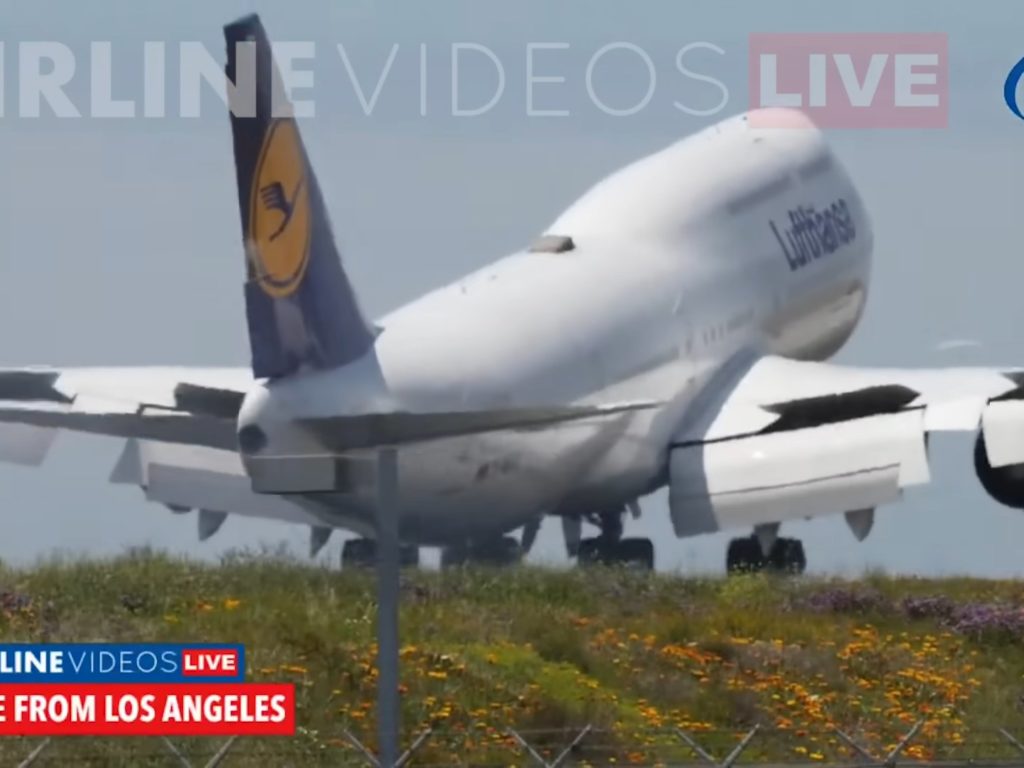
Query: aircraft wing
pixel 199 407
pixel 186 420
pixel 180 424
pixel 214 482
pixel 192 406
pixel 773 439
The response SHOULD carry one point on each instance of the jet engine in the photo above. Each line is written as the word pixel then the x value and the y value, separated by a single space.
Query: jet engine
pixel 1004 484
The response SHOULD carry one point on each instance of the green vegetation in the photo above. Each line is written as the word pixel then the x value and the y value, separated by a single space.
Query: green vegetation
pixel 547 652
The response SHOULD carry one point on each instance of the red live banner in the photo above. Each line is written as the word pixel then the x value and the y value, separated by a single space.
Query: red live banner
pixel 138 709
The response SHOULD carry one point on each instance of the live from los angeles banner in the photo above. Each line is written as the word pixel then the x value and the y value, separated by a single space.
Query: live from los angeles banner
pixel 139 689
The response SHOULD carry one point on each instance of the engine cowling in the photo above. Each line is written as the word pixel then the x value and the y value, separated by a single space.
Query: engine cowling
pixel 1004 484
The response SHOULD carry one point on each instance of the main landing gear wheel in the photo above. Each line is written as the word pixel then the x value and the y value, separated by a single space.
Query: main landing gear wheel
pixel 745 556
pixel 611 549
pixel 362 553
pixel 787 556
pixel 493 553
pixel 635 554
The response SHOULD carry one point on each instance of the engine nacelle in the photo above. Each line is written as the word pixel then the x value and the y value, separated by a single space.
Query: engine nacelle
pixel 1004 484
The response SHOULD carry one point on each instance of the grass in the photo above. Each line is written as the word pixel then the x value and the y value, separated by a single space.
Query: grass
pixel 550 651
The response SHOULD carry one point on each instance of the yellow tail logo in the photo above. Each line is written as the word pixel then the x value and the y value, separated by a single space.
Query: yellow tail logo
pixel 279 220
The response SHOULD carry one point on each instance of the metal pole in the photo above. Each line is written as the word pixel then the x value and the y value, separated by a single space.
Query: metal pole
pixel 388 705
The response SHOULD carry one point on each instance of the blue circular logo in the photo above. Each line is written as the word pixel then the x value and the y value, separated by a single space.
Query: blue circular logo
pixel 1010 88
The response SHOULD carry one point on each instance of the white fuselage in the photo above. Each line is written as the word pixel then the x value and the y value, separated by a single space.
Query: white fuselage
pixel 731 239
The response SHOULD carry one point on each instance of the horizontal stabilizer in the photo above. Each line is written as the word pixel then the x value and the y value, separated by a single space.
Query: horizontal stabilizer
pixel 33 427
pixel 339 434
pixel 326 468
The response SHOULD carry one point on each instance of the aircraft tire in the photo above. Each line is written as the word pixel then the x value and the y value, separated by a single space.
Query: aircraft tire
pixel 632 553
pixel 744 556
pixel 409 556
pixel 358 553
pixel 636 554
pixel 592 551
pixel 454 556
pixel 497 553
pixel 362 553
pixel 787 556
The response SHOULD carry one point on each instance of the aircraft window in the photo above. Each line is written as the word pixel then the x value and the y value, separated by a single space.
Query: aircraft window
pixel 553 244
pixel 760 195
pixel 815 167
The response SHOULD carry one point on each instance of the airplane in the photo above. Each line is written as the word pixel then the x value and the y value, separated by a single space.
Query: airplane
pixel 671 328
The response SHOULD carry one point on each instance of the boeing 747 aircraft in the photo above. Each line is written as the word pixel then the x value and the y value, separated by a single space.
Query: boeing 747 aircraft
pixel 668 329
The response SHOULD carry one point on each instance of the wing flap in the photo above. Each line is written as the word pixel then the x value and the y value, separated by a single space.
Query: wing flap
pixel 768 478
pixel 783 439
pixel 190 406
pixel 776 394
pixel 337 460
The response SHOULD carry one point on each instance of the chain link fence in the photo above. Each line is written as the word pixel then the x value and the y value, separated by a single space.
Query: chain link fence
pixel 586 746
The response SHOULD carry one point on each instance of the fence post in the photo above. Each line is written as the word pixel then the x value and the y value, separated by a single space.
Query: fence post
pixel 389 715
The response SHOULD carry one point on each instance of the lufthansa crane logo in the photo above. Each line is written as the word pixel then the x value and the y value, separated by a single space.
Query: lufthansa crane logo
pixel 279 220
pixel 1010 88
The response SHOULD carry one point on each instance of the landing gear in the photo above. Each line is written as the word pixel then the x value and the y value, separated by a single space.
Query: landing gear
pixel 635 554
pixel 493 553
pixel 744 556
pixel 609 548
pixel 362 553
pixel 786 556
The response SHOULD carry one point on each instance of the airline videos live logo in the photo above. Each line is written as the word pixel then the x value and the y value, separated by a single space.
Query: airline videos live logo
pixel 851 80
pixel 209 662
pixel 137 689
pixel 121 662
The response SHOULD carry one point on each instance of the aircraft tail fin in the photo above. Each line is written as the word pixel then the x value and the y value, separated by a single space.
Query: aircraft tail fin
pixel 301 308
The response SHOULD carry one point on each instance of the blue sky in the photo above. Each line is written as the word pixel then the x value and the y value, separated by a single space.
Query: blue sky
pixel 121 241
